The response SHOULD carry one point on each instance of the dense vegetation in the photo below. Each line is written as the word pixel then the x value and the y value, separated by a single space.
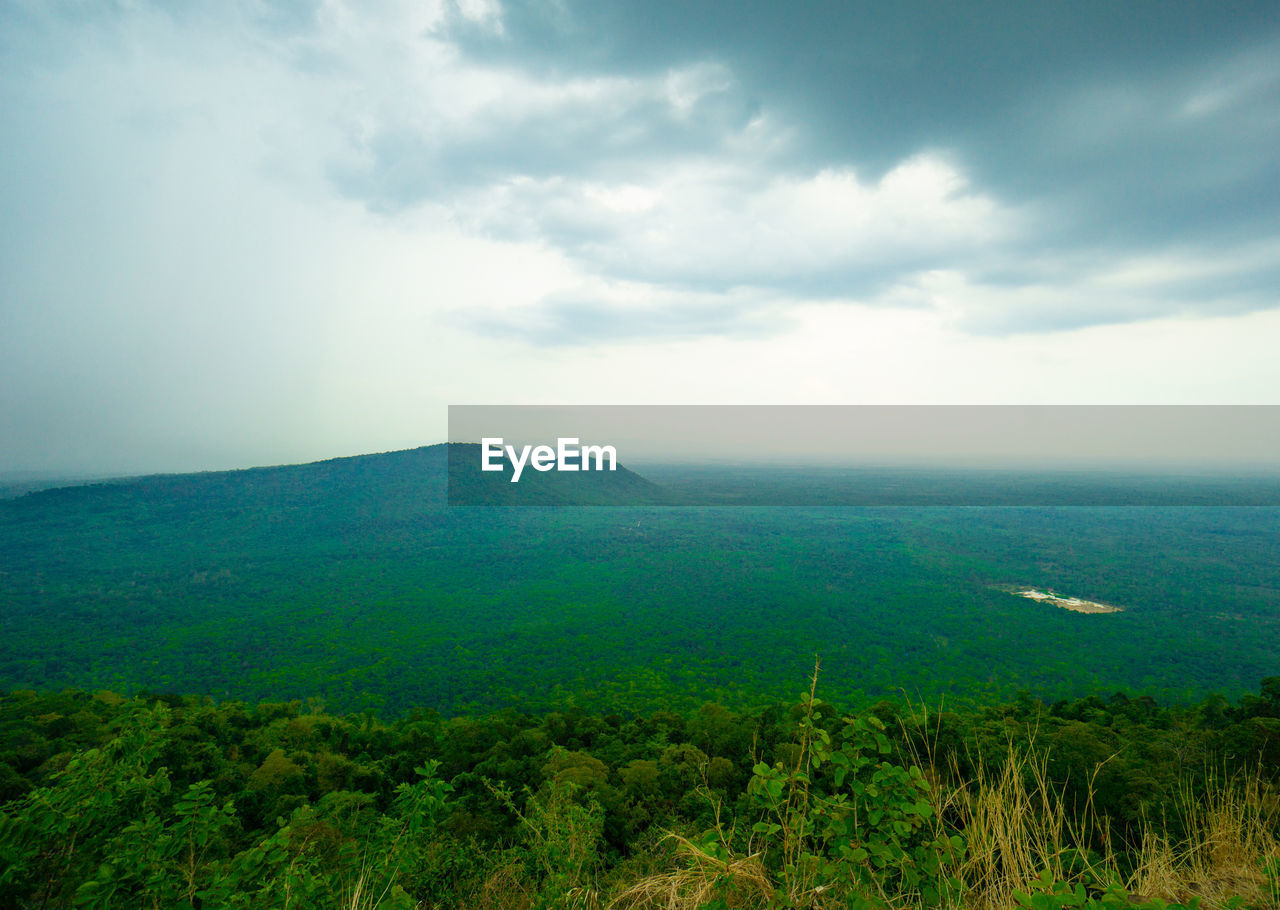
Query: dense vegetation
pixel 352 582
pixel 406 704
pixel 183 802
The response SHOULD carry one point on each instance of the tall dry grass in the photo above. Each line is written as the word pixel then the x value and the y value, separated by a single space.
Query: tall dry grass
pixel 1018 824
pixel 742 882
pixel 1230 843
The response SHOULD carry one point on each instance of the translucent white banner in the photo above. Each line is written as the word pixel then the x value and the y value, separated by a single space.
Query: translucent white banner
pixel 865 455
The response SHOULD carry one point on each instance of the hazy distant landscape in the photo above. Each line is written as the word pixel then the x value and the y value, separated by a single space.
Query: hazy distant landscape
pixel 351 581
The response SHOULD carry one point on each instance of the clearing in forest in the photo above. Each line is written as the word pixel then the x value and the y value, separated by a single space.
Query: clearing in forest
pixel 1067 603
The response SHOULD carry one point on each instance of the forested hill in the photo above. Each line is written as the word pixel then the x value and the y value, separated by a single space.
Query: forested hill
pixel 353 581
pixel 387 485
pixel 390 483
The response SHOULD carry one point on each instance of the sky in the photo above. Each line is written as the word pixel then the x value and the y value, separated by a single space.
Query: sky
pixel 244 233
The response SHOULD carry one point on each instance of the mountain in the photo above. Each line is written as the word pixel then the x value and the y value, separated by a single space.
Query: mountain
pixel 391 484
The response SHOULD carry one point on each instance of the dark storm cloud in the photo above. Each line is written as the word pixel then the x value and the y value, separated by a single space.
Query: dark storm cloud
pixel 872 83
pixel 1032 94
pixel 1123 128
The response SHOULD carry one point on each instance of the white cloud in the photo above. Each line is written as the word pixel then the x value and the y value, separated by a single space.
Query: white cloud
pixel 727 224
pixel 1099 289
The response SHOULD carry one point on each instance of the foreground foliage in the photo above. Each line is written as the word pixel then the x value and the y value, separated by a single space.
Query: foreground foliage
pixel 181 802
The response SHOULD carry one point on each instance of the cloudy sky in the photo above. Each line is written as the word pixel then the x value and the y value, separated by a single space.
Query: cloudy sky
pixel 239 233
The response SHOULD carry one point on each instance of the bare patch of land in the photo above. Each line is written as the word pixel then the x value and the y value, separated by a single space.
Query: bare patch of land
pixel 1066 603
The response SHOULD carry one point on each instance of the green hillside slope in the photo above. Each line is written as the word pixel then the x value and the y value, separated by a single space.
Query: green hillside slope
pixel 353 581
